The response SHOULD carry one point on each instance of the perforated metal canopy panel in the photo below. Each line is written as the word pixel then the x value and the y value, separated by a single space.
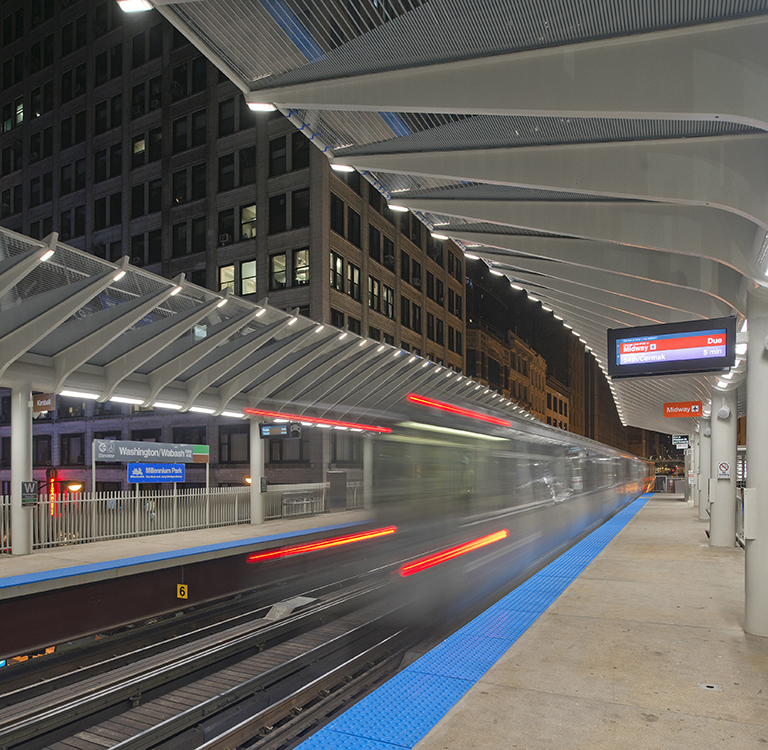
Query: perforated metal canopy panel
pixel 615 123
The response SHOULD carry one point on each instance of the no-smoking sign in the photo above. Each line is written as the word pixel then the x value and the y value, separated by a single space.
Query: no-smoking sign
pixel 724 470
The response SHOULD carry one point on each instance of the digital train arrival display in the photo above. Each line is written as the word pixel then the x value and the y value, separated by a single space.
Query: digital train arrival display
pixel 673 348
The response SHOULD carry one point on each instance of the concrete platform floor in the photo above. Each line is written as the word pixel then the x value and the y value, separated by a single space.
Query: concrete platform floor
pixel 646 649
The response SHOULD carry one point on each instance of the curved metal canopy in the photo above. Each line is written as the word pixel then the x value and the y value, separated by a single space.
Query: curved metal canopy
pixel 74 324
pixel 613 163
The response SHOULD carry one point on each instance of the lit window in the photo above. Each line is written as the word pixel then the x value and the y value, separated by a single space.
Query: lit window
pixel 248 277
pixel 227 278
pixel 301 267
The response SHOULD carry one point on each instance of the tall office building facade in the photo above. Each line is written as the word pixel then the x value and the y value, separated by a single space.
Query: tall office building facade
pixel 121 137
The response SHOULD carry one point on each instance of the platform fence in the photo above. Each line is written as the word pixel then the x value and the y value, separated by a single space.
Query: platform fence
pixel 79 518
pixel 5 523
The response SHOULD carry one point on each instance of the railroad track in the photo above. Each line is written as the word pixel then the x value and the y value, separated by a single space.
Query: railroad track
pixel 213 681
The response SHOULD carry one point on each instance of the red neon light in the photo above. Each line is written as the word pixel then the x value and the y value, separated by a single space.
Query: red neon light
pixel 448 554
pixel 423 401
pixel 336 541
pixel 316 420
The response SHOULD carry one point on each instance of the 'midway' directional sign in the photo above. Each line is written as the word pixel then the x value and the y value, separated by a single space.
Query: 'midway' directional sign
pixel 682 409
pixel 140 473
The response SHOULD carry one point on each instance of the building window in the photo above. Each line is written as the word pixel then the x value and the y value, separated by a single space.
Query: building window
pixel 248 222
pixel 374 294
pixel 300 208
pixel 137 250
pixel 155 194
pixel 234 444
pixel 198 234
pixel 416 317
pixel 277 213
pixel 226 117
pixel 41 450
pixel 337 272
pixel 179 239
pixel 179 135
pixel 227 278
pixel 73 450
pixel 405 266
pixel 299 151
pixel 226 172
pixel 198 181
pixel 138 150
pixel 294 450
pixel 430 326
pixel 337 214
pixel 353 227
pixel 155 246
pixel 277 156
pixel 137 201
pixel 277 271
pixel 405 312
pixel 353 281
pixel 248 165
pixel 374 243
pixel 226 226
pixel 337 318
pixel 388 302
pixel 301 267
pixel 248 277
pixel 155 144
pixel 354 325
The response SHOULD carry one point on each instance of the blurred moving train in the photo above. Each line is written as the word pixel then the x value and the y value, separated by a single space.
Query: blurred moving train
pixel 509 492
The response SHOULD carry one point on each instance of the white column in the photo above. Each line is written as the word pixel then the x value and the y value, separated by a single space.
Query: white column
pixel 695 461
pixel 21 467
pixel 257 472
pixel 722 503
pixel 367 471
pixel 756 495
pixel 705 463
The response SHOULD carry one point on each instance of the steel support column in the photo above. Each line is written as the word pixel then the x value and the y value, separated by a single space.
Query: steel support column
pixel 756 496
pixel 257 472
pixel 21 467
pixel 705 464
pixel 722 527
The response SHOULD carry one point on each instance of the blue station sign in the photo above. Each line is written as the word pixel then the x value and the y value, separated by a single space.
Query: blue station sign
pixel 139 473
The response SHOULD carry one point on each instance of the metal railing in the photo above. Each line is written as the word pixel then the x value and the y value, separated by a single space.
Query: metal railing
pixel 5 523
pixel 78 518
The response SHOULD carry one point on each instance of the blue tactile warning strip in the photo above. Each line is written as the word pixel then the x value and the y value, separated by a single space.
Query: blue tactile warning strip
pixel 402 711
pixel 126 562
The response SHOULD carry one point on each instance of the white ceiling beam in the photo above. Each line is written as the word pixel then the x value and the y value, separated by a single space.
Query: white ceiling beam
pixel 164 374
pixel 726 172
pixel 714 71
pixel 22 327
pixel 99 330
pixel 689 230
pixel 241 381
pixel 229 356
pixel 666 269
pixel 16 267
pixel 145 342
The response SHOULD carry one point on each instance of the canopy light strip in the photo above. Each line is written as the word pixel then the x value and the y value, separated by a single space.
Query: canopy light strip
pixel 336 541
pixel 423 563
pixel 320 422
pixel 451 409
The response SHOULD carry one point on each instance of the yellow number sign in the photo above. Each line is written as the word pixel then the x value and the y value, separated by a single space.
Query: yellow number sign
pixel 182 591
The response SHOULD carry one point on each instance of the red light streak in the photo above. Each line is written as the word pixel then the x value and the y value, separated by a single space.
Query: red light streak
pixel 440 557
pixel 336 541
pixel 315 420
pixel 423 401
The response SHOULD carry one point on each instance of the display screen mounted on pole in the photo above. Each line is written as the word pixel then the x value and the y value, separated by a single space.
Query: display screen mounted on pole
pixel 672 348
